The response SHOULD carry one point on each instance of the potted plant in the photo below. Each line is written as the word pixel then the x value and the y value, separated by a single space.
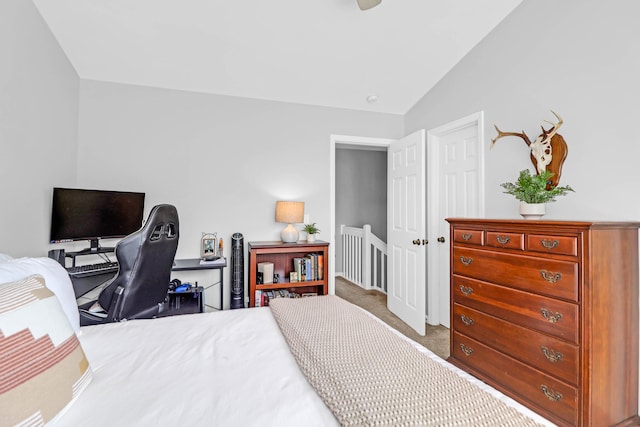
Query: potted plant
pixel 533 192
pixel 311 231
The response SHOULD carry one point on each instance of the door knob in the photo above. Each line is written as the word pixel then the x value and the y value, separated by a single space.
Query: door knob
pixel 416 242
pixel 441 239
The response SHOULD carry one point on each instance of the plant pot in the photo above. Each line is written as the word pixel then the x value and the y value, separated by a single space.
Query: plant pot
pixel 532 210
pixel 311 238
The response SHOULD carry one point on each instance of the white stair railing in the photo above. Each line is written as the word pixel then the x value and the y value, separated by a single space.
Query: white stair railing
pixel 364 258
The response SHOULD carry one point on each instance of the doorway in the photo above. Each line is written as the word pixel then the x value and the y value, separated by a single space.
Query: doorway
pixel 349 142
pixel 361 214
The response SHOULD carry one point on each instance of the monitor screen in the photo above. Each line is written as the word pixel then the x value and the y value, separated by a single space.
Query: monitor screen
pixel 78 214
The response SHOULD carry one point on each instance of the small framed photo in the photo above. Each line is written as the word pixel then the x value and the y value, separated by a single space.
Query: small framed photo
pixel 293 277
pixel 209 246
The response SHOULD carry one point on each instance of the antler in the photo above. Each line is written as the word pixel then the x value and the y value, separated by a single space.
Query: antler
pixel 548 134
pixel 503 134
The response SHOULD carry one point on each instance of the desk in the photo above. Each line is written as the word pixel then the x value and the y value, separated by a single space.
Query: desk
pixel 82 285
pixel 190 264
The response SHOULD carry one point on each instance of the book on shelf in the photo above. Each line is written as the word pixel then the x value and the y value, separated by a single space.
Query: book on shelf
pixel 320 267
pixel 266 296
pixel 299 268
pixel 307 269
pixel 258 299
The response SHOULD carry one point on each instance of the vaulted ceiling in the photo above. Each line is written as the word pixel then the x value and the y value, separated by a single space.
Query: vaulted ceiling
pixel 317 52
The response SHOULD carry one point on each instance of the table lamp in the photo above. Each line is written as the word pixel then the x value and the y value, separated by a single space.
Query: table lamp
pixel 289 213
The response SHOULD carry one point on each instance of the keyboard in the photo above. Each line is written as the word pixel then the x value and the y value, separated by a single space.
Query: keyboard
pixel 93 269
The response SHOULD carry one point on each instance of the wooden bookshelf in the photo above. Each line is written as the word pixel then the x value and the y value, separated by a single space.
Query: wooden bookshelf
pixel 282 255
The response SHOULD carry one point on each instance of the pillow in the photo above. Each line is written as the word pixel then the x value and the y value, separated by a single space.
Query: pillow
pixel 5 257
pixel 43 368
pixel 56 278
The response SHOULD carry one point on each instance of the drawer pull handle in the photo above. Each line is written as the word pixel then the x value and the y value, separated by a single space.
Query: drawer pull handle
pixel 503 240
pixel 466 350
pixel 467 236
pixel 553 356
pixel 466 261
pixel 550 277
pixel 549 244
pixel 553 396
pixel 466 320
pixel 551 318
pixel 466 290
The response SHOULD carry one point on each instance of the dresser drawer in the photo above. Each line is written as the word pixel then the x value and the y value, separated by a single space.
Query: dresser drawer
pixel 544 314
pixel 551 355
pixel 545 276
pixel 563 245
pixel 505 240
pixel 473 237
pixel 552 397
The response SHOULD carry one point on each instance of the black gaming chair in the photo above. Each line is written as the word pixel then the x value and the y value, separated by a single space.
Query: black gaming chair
pixel 145 259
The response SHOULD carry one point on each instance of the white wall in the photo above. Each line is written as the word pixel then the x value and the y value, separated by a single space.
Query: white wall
pixel 38 127
pixel 223 161
pixel 578 58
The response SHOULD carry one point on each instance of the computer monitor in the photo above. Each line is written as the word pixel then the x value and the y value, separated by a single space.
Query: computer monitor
pixel 79 214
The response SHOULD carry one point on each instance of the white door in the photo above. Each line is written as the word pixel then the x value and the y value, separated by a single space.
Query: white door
pixel 406 230
pixel 456 174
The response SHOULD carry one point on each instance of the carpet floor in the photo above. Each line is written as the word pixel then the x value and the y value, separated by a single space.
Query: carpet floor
pixel 437 337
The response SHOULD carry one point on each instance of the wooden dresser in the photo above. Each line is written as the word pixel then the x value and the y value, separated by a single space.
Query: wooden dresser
pixel 547 312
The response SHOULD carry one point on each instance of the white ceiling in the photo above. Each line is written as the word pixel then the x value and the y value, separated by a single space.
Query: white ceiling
pixel 318 52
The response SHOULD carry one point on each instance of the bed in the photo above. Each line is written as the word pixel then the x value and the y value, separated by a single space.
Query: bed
pixel 257 367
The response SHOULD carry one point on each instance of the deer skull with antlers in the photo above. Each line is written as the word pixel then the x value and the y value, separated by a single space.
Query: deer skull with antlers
pixel 548 151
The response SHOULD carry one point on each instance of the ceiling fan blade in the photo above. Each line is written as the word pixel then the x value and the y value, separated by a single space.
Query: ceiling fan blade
pixel 368 4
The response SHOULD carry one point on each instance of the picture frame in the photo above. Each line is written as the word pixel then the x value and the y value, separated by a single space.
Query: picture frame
pixel 209 246
pixel 293 277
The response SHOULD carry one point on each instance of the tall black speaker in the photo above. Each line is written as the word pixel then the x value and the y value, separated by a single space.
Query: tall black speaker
pixel 237 271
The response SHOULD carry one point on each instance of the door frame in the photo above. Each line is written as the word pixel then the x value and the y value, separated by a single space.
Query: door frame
pixel 343 141
pixel 433 187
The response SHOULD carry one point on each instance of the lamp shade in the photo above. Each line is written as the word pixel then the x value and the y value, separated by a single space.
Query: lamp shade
pixel 289 212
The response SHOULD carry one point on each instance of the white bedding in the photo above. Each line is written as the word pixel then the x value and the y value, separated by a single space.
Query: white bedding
pixel 230 368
